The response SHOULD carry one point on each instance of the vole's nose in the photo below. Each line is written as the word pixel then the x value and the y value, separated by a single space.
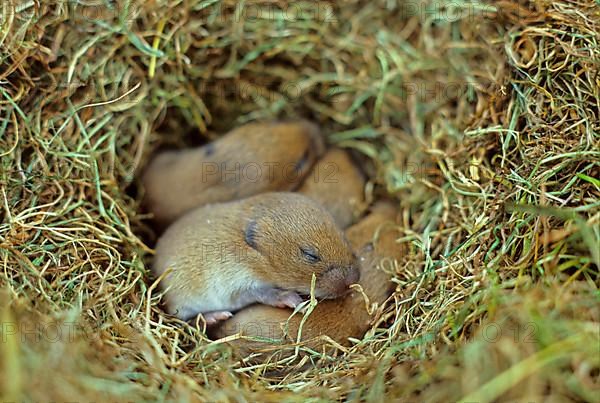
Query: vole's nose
pixel 337 280
pixel 353 276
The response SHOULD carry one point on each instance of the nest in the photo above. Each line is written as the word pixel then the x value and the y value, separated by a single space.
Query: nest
pixel 481 119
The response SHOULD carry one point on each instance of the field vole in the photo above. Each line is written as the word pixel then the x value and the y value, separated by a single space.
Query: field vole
pixel 338 185
pixel 251 159
pixel 264 248
pixel 340 318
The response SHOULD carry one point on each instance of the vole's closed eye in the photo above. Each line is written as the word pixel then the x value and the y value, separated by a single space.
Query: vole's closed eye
pixel 301 164
pixel 310 254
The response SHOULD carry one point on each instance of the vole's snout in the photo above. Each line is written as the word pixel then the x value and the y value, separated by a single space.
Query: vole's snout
pixel 353 276
pixel 336 281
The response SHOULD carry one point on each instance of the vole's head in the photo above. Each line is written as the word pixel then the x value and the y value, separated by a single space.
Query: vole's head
pixel 288 149
pixel 298 238
pixel 299 141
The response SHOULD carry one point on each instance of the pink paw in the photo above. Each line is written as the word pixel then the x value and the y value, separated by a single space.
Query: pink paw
pixel 213 317
pixel 287 299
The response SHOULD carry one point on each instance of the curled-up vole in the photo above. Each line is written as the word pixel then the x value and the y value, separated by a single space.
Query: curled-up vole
pixel 264 248
pixel 251 159
pixel 338 319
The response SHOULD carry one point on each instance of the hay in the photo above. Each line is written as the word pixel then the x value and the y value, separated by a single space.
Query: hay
pixel 481 120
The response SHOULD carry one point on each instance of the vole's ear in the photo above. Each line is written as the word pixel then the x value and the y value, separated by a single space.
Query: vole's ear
pixel 251 233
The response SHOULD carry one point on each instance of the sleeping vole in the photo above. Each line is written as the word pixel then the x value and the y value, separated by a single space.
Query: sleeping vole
pixel 338 185
pixel 251 159
pixel 339 318
pixel 264 248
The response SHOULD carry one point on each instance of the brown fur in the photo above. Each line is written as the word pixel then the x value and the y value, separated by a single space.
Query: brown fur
pixel 251 159
pixel 211 249
pixel 338 185
pixel 340 318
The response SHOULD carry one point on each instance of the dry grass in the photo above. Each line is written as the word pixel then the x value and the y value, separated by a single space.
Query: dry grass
pixel 482 121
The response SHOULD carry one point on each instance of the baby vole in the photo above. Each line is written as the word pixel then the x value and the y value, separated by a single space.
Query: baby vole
pixel 251 159
pixel 264 248
pixel 338 185
pixel 340 318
